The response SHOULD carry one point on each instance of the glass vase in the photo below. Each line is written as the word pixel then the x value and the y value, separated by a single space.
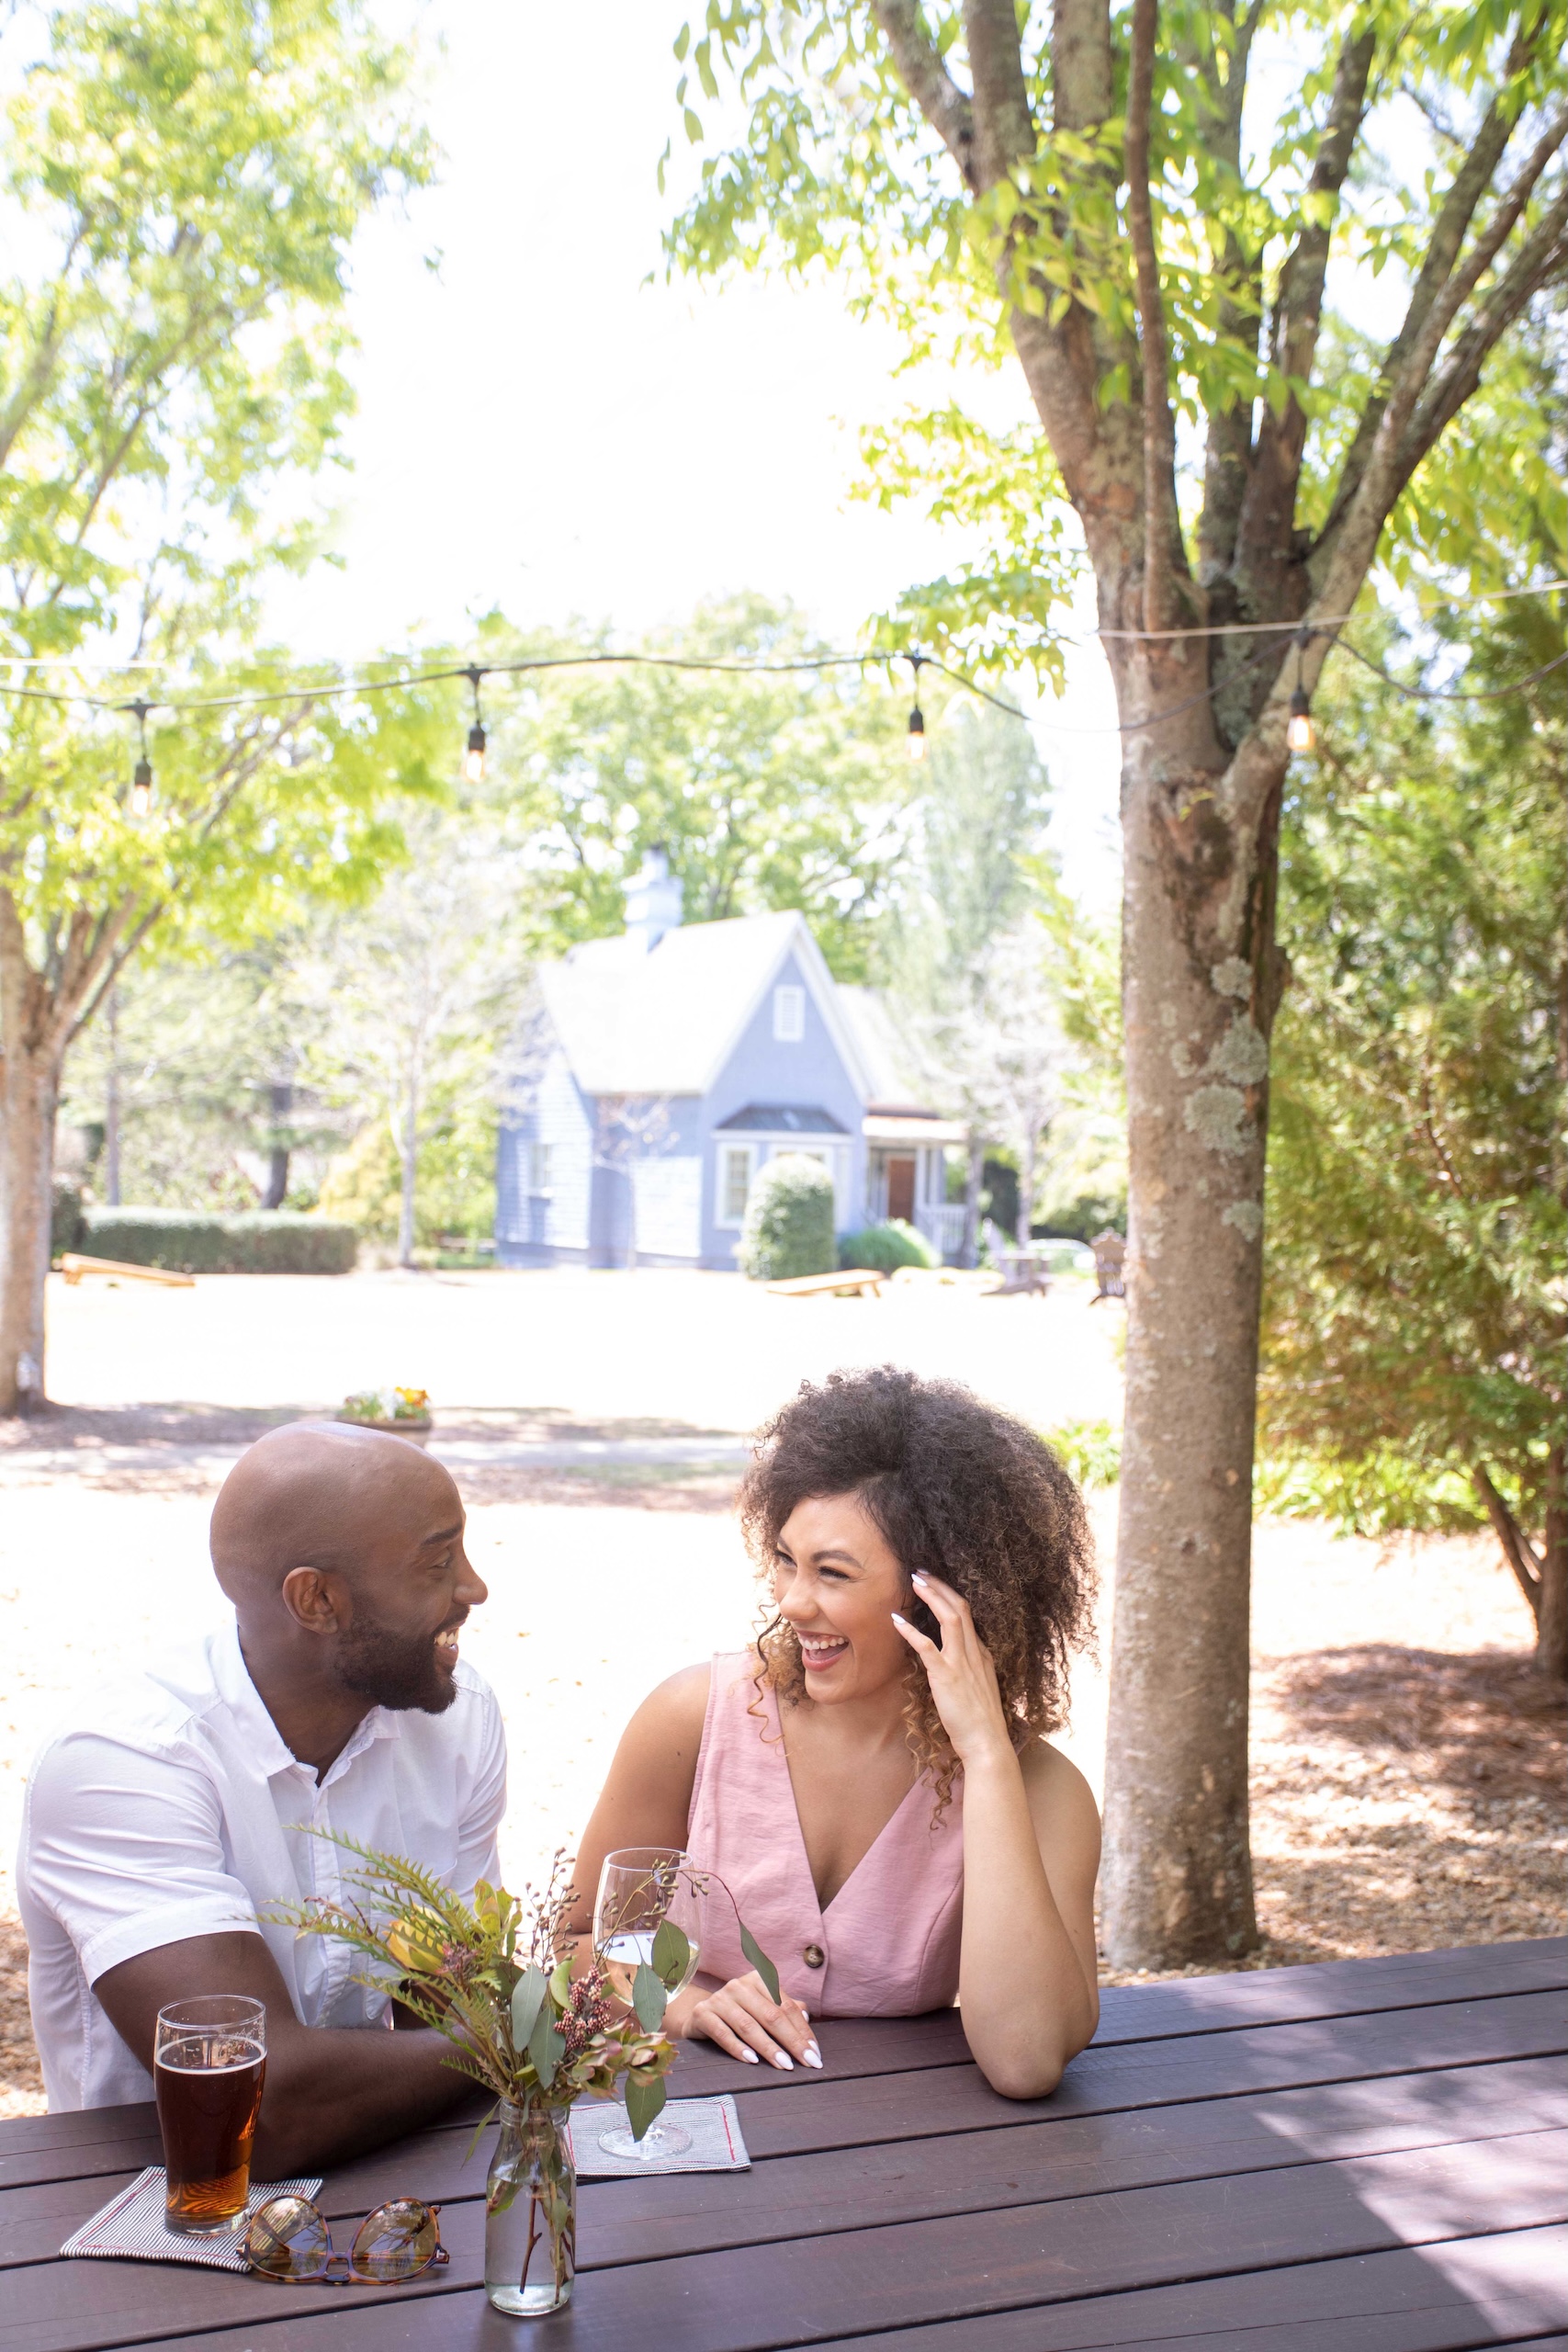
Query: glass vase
pixel 531 2213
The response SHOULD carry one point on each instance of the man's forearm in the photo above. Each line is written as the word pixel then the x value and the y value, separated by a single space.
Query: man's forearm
pixel 333 2092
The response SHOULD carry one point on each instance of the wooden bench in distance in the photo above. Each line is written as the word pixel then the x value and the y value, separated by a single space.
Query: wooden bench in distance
pixel 855 1282
pixel 73 1268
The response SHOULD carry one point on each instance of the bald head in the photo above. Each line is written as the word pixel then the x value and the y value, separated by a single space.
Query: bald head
pixel 324 1495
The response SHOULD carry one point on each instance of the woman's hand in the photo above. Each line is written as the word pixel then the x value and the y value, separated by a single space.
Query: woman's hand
pixel 746 2022
pixel 962 1675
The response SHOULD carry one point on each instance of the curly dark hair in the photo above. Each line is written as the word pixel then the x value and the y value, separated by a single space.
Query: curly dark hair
pixel 960 1490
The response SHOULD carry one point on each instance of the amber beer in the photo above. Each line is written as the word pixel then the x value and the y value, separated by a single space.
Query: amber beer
pixel 209 2069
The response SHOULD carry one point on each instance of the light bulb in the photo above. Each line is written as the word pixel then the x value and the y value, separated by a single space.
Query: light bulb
pixel 142 788
pixel 474 757
pixel 1300 733
pixel 917 736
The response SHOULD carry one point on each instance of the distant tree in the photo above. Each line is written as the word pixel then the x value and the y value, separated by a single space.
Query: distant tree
pixel 181 188
pixel 767 791
pixel 1414 1325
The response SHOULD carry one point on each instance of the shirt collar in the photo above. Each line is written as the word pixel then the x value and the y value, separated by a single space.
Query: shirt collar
pixel 262 1739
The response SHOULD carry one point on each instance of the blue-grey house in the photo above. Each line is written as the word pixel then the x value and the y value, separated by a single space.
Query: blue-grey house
pixel 657 1072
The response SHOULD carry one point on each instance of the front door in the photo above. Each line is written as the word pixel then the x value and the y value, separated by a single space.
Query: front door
pixel 902 1190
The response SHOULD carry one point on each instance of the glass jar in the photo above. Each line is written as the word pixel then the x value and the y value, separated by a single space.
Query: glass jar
pixel 531 2213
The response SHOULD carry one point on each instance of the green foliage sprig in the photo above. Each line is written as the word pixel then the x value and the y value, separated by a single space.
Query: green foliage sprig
pixel 487 1976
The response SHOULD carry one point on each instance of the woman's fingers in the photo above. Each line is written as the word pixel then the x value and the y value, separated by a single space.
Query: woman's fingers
pixel 919 1642
pixel 778 2031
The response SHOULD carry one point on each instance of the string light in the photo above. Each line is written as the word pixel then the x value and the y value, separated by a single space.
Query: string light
pixel 1300 733
pixel 474 757
pixel 141 778
pixel 917 734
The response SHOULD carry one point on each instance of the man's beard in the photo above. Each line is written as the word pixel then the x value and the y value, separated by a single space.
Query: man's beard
pixel 395 1670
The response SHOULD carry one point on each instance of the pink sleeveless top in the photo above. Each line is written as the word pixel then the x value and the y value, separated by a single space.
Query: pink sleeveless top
pixel 887 1946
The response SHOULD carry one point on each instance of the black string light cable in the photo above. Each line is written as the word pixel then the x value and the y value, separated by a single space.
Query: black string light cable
pixel 1299 725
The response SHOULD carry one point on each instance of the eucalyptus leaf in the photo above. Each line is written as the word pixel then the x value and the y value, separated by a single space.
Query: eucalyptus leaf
pixel 671 1953
pixel 560 1982
pixel 527 1996
pixel 645 2096
pixel 649 1999
pixel 759 1961
pixel 546 2047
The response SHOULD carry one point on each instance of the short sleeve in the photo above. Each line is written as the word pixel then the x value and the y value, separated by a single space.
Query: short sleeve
pixel 125 1851
pixel 478 1854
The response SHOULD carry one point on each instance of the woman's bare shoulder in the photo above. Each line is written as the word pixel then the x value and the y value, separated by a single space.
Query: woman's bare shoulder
pixel 1055 1786
pixel 675 1708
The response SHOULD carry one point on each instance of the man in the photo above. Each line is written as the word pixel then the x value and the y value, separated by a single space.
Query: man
pixel 162 1830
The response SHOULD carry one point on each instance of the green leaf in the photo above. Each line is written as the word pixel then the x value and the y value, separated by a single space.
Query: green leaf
pixel 671 1953
pixel 480 2128
pixel 648 1997
pixel 759 1961
pixel 546 2047
pixel 645 2097
pixel 560 1982
pixel 527 1994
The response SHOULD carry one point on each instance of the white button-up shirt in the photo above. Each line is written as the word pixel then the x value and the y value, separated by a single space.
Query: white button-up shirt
pixel 175 1810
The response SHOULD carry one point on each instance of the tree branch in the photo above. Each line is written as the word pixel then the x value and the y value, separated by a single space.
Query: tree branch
pixel 920 69
pixel 1082 81
pixel 1516 1547
pixel 1470 183
pixel 1539 260
pixel 1004 126
pixel 1161 523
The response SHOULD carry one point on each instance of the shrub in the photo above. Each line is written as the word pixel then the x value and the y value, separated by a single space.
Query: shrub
pixel 264 1241
pixel 789 1221
pixel 885 1247
pixel 65 1219
pixel 1090 1450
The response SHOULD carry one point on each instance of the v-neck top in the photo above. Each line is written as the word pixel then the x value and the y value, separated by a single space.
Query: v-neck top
pixel 887 1944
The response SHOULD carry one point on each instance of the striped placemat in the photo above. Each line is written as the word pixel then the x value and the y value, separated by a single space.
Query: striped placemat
pixel 133 2223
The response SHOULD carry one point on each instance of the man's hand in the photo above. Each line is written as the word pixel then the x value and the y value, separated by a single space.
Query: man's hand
pixel 330 2092
pixel 746 2022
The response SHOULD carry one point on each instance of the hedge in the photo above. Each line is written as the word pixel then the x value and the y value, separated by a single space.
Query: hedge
pixel 193 1241
pixel 789 1221
pixel 885 1247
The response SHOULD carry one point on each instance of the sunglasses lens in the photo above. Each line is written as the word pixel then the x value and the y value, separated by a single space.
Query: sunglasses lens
pixel 396 2240
pixel 287 2239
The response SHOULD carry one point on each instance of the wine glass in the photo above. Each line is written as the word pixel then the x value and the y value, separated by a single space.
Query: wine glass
pixel 647 1915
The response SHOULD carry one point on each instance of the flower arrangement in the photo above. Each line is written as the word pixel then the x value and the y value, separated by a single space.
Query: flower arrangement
pixel 488 1978
pixel 387 1404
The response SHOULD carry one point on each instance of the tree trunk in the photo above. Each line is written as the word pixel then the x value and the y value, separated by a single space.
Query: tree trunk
pixel 29 1094
pixel 111 1108
pixel 1541 1576
pixel 408 1153
pixel 1199 996
pixel 975 1177
pixel 282 1098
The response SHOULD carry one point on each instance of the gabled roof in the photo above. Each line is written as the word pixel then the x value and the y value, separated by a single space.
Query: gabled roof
pixel 885 1052
pixel 781 1119
pixel 665 1019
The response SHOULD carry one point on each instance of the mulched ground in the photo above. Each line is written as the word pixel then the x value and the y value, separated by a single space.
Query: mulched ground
pixel 1402 1800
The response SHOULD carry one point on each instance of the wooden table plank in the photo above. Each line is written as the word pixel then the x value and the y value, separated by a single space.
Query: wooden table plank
pixel 633 2221
pixel 760 2297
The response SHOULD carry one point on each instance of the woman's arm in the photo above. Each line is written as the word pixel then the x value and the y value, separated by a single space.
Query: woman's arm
pixel 1028 1982
pixel 646 1800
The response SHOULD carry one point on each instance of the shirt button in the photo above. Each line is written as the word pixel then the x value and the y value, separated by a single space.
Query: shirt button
pixel 814 1955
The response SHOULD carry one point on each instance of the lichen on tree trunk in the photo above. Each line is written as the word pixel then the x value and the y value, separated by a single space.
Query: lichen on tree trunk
pixel 29 1090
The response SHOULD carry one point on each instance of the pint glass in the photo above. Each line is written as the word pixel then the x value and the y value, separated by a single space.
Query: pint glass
pixel 209 2067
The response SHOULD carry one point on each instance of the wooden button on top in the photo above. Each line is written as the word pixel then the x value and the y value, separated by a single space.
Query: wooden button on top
pixel 814 1955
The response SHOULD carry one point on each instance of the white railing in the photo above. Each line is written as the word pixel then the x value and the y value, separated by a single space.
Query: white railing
pixel 943 1227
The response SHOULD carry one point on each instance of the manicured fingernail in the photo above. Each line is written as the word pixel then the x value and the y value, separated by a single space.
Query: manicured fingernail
pixel 806 2015
pixel 750 2056
pixel 899 1621
pixel 917 1578
pixel 785 2060
pixel 813 2056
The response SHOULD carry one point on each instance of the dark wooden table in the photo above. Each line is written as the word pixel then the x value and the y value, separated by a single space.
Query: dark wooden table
pixel 1367 2156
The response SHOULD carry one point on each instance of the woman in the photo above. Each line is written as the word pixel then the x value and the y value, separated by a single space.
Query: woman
pixel 872 1783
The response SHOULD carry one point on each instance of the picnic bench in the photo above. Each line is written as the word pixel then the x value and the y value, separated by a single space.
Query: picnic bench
pixel 72 1265
pixel 1020 1270
pixel 1363 2156
pixel 855 1281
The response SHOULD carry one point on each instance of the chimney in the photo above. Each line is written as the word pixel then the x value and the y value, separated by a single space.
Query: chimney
pixel 653 900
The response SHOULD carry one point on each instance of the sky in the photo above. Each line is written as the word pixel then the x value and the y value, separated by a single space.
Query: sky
pixel 546 425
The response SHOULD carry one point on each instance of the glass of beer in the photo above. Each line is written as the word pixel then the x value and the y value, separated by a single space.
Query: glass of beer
pixel 208 2067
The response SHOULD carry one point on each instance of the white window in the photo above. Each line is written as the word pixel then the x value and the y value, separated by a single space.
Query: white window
pixel 539 1167
pixel 734 1182
pixel 789 1016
